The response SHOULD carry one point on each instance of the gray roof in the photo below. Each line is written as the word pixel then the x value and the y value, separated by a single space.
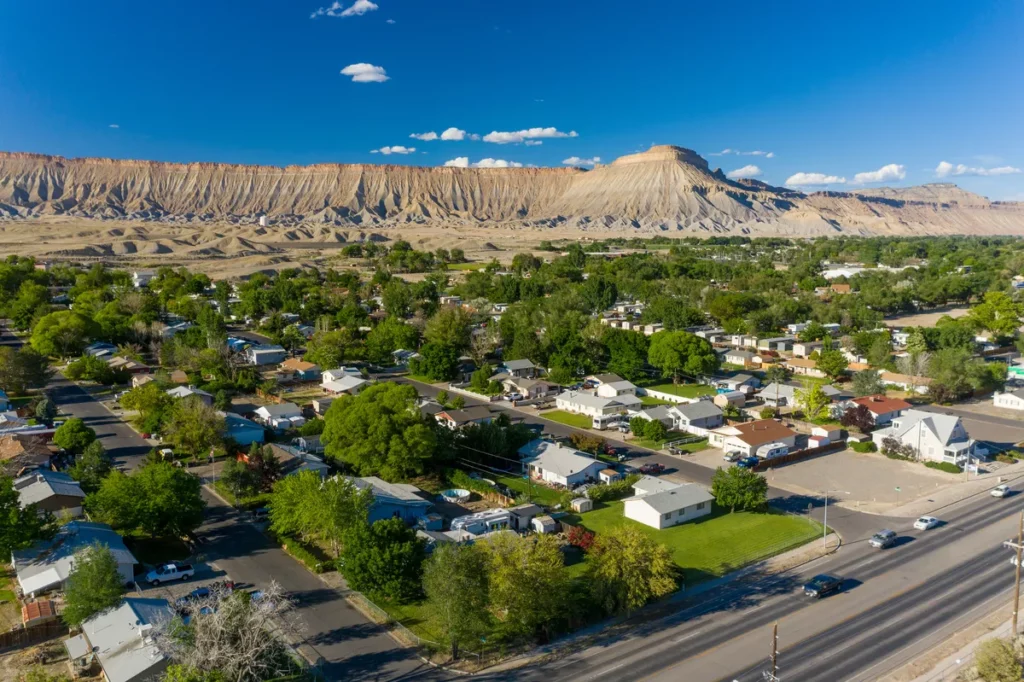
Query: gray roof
pixel 650 484
pixel 607 378
pixel 43 484
pixel 701 409
pixel 556 458
pixel 266 348
pixel 675 498
pixel 525 510
pixel 741 353
pixel 658 412
pixel 390 493
pixel 186 391
pixel 281 409
pixel 942 425
pixel 513 365
pixel 591 400
pixel 469 414
pixel 47 564
pixel 120 638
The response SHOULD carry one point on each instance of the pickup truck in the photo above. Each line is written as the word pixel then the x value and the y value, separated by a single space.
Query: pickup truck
pixel 169 572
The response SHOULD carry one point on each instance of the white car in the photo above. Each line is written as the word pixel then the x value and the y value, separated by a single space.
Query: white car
pixel 926 523
pixel 1001 491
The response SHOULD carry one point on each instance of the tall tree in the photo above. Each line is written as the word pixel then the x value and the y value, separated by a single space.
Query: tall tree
pixel 384 559
pixel 682 353
pixel 159 499
pixel 194 427
pixel 813 401
pixel 833 363
pixel 528 583
pixel 449 327
pixel 739 488
pixel 305 506
pixel 20 527
pixel 91 467
pixel 627 353
pixel 73 435
pixel 629 569
pixel 868 382
pixel 390 335
pixel 455 580
pixel 63 333
pixel 93 586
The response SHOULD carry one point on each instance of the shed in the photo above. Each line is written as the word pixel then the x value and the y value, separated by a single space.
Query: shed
pixel 582 504
pixel 38 612
pixel 543 524
pixel 608 475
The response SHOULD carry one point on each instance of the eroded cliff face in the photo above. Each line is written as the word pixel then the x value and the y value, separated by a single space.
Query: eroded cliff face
pixel 665 188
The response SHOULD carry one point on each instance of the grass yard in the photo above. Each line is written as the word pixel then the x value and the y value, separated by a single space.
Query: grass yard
pixel 541 494
pixel 415 617
pixel 684 390
pixel 467 266
pixel 695 446
pixel 717 544
pixel 648 400
pixel 579 421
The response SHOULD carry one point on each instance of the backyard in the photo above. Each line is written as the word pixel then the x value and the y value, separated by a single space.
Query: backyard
pixel 717 544
pixel 690 391
pixel 579 421
pixel 541 494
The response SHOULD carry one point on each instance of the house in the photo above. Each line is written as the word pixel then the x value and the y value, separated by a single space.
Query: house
pixel 805 348
pixel 671 505
pixel 300 370
pixel 243 431
pixel 906 382
pixel 281 417
pixel 178 376
pixel 804 367
pixel 598 379
pixel 523 369
pixel 394 500
pixel 321 405
pixel 555 463
pixel 779 343
pixel 402 357
pixel 46 565
pixel 456 419
pixel 340 373
pixel 661 413
pixel 100 349
pixel 734 398
pixel 737 381
pixel 5 402
pixel 295 461
pixel 50 491
pixel 784 395
pixel 20 451
pixel 579 402
pixel 179 392
pixel 613 389
pixel 174 329
pixel 840 289
pixel 883 409
pixel 935 437
pixel 521 515
pixel 743 358
pixel 121 641
pixel 482 523
pixel 127 365
pixel 797 327
pixel 1011 400
pixel 310 444
pixel 141 379
pixel 696 418
pixel 349 385
pixel 142 278
pixel 530 389
pixel 746 438
pixel 265 354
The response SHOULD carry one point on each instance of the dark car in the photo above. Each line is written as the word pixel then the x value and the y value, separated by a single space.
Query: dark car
pixel 194 595
pixel 652 468
pixel 747 462
pixel 823 585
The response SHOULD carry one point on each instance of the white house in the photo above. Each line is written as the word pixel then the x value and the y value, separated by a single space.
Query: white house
pixel 554 463
pixel 935 437
pixel 668 506
pixel 1012 400
pixel 121 640
pixel 739 357
pixel 529 388
pixel 340 373
pixel 347 384
pixel 696 418
pixel 614 389
pixel 591 405
pixel 281 417
pixel 523 369
pixel 46 565
pixel 746 438
pixel 906 382
pixel 805 348
pixel 262 354
pixel 142 278
pixel 187 391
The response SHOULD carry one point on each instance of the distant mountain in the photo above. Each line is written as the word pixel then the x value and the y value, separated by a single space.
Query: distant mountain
pixel 665 189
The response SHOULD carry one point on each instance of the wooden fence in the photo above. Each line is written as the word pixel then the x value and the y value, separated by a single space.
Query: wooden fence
pixel 23 637
pixel 774 462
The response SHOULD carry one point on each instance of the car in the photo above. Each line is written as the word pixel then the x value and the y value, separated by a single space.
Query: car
pixel 652 468
pixel 194 595
pixel 511 397
pixel 926 523
pixel 1000 491
pixel 823 585
pixel 883 539
pixel 747 462
pixel 623 428
pixel 169 572
pixel 733 456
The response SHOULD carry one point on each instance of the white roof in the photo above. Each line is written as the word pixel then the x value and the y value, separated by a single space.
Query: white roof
pixel 620 385
pixel 43 484
pixel 942 425
pixel 344 383
pixel 390 493
pixel 186 391
pixel 591 400
pixel 285 410
pixel 556 458
pixel 121 637
pixel 650 484
pixel 47 564
pixel 674 499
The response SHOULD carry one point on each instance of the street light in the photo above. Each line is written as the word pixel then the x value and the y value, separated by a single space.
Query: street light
pixel 824 532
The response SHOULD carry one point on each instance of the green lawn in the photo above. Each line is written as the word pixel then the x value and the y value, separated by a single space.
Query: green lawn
pixel 684 390
pixel 538 493
pixel 717 544
pixel 467 266
pixel 414 616
pixel 695 446
pixel 579 421
pixel 648 400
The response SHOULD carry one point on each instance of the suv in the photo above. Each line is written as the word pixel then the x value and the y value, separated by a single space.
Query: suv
pixel 1001 491
pixel 733 456
pixel 169 572
pixel 822 585
pixel 883 539
pixel 747 462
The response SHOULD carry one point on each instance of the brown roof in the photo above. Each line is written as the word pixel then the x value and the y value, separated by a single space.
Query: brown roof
pixel 297 365
pixel 762 431
pixel 880 404
pixel 841 288
pixel 35 610
pixel 802 362
pixel 857 367
pixel 23 452
pixel 179 377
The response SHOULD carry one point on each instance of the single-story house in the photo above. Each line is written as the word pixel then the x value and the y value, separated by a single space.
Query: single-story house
pixel 589 404
pixel 46 565
pixel 394 500
pixel 743 358
pixel 669 507
pixel 281 416
pixel 779 343
pixel 340 373
pixel 696 418
pixel 1011 400
pixel 179 392
pixel 127 365
pixel 50 491
pixel 529 388
pixel 882 408
pixel 647 485
pixel 300 370
pixel 784 395
pixel 614 389
pixel 142 278
pixel 401 357
pixel 523 368
pixel 906 382
pixel 521 515
pixel 243 431
pixel 661 413
pixel 608 475
pixel 295 461
pixel 311 444
pixel 21 451
pixel 737 381
pixel 265 354
pixel 746 438
pixel 321 405
pixel 456 419
pixel 805 348
pixel 142 379
pixel 121 641
pixel 100 349
pixel 804 367
pixel 607 378
pixel 935 437
pixel 735 398
pixel 174 329
pixel 347 384
pixel 543 524
pixel 555 463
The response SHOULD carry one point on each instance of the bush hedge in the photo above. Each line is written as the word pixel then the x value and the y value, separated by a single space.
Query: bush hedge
pixel 460 479
pixel 866 446
pixel 613 491
pixel 296 549
pixel 948 467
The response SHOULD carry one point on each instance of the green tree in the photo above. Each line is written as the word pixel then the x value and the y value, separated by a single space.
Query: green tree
pixel 739 488
pixel 159 499
pixel 45 411
pixel 242 481
pixel 390 335
pixel 916 342
pixel 93 586
pixel 997 661
pixel 437 362
pixel 655 431
pixel 194 427
pixel 815 331
pixel 813 401
pixel 629 569
pixel 63 333
pixel 627 351
pixel 998 313
pixel 776 374
pixel 330 349
pixel 380 432
pixel 149 400
pixel 449 327
pixel 20 527
pixel 91 467
pixel 90 368
pixel 455 580
pixel 384 560
pixel 528 583
pixel 307 507
pixel 833 363
pixel 73 435
pixel 868 382
pixel 23 369
pixel 682 353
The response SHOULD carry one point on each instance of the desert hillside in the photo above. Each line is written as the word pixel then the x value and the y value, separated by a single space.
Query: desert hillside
pixel 664 189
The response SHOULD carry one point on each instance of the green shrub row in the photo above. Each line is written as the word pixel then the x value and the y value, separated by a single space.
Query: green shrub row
pixel 297 550
pixel 866 446
pixel 613 491
pixel 460 479
pixel 948 467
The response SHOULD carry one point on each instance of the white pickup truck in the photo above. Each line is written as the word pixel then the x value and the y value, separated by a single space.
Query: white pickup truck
pixel 169 572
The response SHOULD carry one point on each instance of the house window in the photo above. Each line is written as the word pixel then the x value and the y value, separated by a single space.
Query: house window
pixel 667 516
pixel 700 505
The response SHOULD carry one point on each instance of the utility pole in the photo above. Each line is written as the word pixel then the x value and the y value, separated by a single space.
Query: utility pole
pixel 1017 547
pixel 772 675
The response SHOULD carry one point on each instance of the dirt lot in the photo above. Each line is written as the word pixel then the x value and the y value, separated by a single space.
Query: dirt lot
pixel 924 319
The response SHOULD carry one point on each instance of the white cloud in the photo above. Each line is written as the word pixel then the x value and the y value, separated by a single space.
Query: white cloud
pixel 114 125
pixel 756 152
pixel 748 171
pixel 946 169
pixel 463 162
pixel 528 134
pixel 887 173
pixel 424 137
pixel 396 149
pixel 365 73
pixel 336 9
pixel 533 143
pixel 577 161
pixel 800 179
pixel 390 21
pixel 453 135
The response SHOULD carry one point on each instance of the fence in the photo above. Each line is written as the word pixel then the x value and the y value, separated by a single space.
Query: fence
pixel 452 388
pixel 798 455
pixel 382 617
pixel 670 397
pixel 22 637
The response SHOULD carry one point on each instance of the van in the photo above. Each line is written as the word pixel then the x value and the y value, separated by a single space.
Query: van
pixel 772 450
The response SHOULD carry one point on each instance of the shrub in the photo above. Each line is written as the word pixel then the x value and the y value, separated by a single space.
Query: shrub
pixel 295 548
pixel 581 537
pixel 866 446
pixel 613 491
pixel 948 467
pixel 460 479
pixel 769 413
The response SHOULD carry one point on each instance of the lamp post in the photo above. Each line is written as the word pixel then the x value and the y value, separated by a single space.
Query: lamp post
pixel 824 532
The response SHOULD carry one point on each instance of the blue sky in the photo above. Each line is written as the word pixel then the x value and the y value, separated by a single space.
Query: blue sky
pixel 883 89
